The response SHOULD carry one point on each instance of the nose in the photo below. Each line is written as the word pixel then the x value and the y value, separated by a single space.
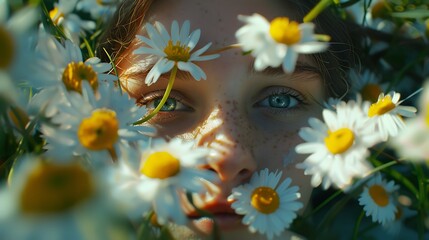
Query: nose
pixel 231 154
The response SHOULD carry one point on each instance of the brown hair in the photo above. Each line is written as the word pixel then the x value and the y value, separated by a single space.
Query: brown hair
pixel 334 63
pixel 123 27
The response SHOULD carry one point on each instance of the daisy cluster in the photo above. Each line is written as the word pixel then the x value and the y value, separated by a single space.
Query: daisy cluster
pixel 77 160
pixel 77 163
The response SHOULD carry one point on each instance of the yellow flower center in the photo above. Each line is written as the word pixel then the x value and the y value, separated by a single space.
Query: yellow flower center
pixel 160 165
pixel 177 52
pixel 99 131
pixel 55 16
pixel 370 92
pixel 52 188
pixel 75 73
pixel 265 200
pixel 381 107
pixel 284 31
pixel 379 10
pixel 379 195
pixel 7 48
pixel 339 141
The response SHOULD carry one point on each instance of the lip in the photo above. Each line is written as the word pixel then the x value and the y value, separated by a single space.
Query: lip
pixel 222 215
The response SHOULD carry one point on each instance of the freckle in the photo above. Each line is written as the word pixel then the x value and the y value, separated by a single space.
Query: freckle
pixel 228 101
pixel 275 147
pixel 219 20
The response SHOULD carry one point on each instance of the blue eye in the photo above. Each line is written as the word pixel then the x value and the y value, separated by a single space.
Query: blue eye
pixel 169 105
pixel 173 103
pixel 282 100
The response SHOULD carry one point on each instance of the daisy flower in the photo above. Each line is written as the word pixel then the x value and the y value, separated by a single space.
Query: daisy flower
pixel 72 25
pixel 268 207
pixel 59 68
pixel 63 66
pixel 388 112
pixel 173 50
pixel 277 42
pixel 154 178
pixel 338 147
pixel 93 125
pixel 413 140
pixel 46 200
pixel 365 84
pixel 377 199
pixel 372 15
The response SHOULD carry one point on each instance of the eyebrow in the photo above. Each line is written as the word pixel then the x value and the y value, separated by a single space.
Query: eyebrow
pixel 301 67
pixel 143 69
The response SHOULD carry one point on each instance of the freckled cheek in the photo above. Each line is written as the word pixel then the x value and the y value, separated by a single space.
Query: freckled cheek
pixel 271 150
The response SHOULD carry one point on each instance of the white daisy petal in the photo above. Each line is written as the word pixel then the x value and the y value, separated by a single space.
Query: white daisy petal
pixel 193 39
pixel 307 30
pixel 311 47
pixel 289 61
pixel 196 72
pixel 175 32
pixel 162 66
pixel 155 36
pixel 163 32
pixel 184 31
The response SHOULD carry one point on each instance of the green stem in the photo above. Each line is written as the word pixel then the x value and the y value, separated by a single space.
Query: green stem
pixel 383 166
pixel 164 98
pixel 357 225
pixel 88 47
pixel 317 10
pixel 114 69
pixel 421 199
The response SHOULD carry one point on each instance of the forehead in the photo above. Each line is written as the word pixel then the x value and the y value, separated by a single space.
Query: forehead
pixel 216 19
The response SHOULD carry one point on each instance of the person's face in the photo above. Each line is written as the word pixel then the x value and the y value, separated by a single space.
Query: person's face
pixel 249 119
